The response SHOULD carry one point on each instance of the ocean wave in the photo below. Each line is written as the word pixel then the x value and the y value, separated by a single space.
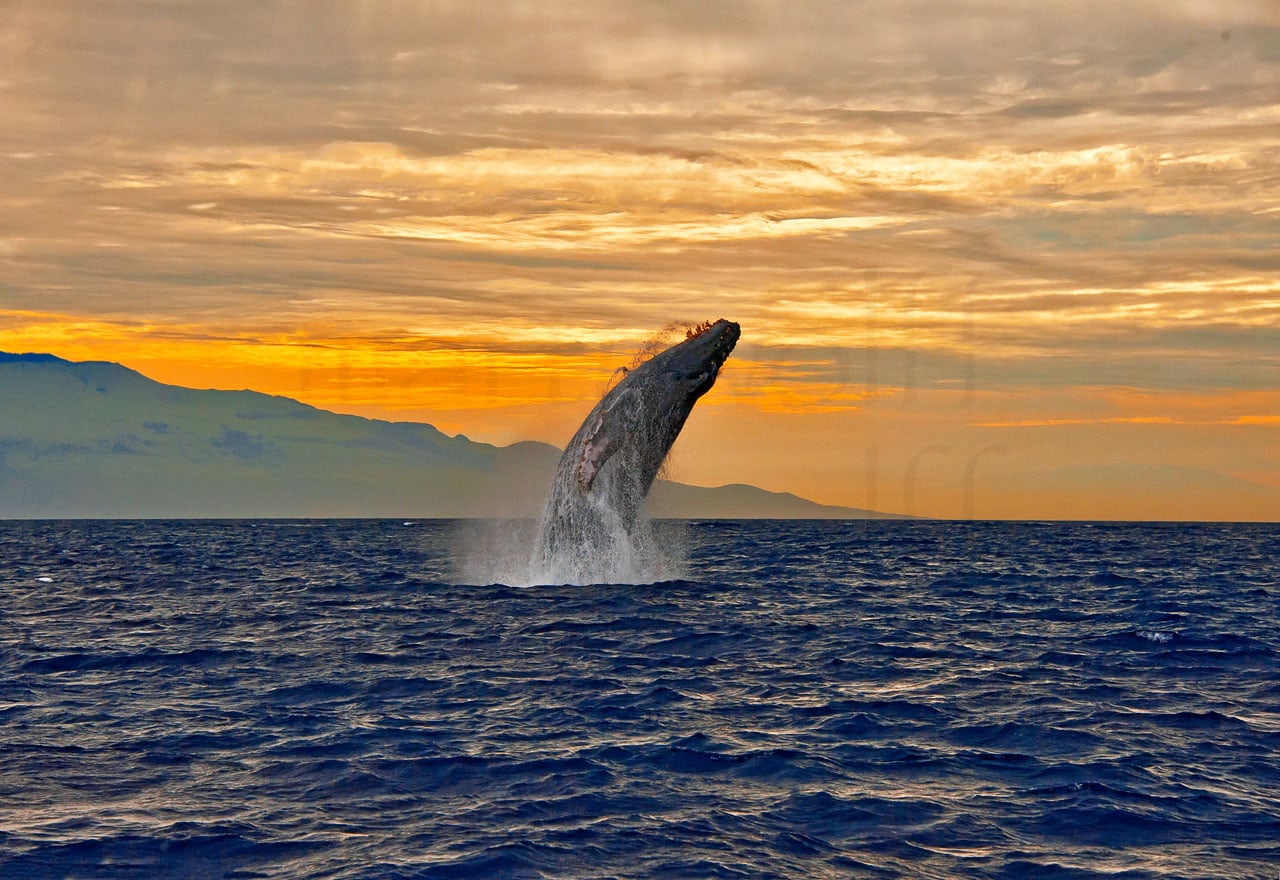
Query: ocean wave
pixel 325 701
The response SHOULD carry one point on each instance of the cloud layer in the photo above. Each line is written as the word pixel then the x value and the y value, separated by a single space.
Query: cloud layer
pixel 466 212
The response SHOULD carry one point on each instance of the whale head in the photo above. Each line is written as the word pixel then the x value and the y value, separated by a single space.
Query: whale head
pixel 692 365
pixel 642 415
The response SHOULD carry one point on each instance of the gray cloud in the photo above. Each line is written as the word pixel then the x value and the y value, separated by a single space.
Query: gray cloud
pixel 244 71
pixel 129 118
pixel 1203 359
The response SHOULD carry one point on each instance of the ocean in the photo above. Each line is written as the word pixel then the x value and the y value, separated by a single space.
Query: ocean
pixel 880 699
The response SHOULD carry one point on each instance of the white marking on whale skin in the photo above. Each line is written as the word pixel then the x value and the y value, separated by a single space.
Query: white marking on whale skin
pixel 597 442
pixel 594 455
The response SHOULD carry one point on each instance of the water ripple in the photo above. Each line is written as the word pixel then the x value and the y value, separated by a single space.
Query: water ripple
pixel 320 700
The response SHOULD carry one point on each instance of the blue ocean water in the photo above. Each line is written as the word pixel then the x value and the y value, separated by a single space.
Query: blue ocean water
pixel 815 699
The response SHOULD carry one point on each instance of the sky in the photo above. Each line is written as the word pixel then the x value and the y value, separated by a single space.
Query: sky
pixel 991 259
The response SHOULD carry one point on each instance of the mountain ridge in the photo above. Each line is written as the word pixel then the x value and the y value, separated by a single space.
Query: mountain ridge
pixel 96 439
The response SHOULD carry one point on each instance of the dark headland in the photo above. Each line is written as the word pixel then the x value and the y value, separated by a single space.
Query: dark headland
pixel 98 440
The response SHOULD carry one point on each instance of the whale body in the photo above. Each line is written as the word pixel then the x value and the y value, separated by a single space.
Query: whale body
pixel 593 513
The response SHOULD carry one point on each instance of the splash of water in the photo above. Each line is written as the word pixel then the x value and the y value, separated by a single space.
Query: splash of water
pixel 599 537
pixel 512 552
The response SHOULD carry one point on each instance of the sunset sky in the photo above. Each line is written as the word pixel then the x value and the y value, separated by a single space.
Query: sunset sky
pixel 992 259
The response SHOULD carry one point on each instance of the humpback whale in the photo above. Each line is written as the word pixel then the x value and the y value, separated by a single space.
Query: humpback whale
pixel 593 514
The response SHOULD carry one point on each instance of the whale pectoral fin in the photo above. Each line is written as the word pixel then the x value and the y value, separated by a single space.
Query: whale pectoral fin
pixel 606 435
pixel 596 450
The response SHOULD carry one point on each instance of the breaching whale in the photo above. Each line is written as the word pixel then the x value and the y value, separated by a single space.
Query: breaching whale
pixel 594 510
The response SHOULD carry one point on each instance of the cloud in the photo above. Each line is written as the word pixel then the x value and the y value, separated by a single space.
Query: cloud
pixel 895 198
pixel 454 66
